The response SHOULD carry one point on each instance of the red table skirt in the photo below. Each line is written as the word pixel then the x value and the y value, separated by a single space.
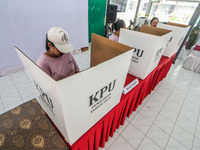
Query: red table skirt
pixel 197 48
pixel 100 132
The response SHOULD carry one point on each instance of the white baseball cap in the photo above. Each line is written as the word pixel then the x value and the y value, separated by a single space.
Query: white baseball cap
pixel 59 37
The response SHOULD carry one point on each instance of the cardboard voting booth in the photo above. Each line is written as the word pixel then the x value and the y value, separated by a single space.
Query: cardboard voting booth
pixel 77 102
pixel 148 44
pixel 179 32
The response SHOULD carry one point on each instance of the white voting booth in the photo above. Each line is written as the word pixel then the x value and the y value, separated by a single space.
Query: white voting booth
pixel 77 102
pixel 179 32
pixel 148 44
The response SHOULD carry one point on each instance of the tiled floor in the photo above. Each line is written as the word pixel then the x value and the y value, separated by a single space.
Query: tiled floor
pixel 168 118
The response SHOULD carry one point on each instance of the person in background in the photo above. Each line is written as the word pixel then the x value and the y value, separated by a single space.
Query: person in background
pixel 116 29
pixel 57 61
pixel 193 37
pixel 154 21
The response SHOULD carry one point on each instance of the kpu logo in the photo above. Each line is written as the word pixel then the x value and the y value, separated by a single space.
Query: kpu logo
pixel 103 92
pixel 138 52
pixel 45 97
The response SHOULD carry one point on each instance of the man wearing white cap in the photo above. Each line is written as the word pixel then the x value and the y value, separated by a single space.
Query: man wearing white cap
pixel 57 61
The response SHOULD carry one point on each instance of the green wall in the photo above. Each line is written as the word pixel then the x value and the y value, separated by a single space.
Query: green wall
pixel 96 16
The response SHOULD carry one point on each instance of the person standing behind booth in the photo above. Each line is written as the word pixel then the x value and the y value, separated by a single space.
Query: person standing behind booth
pixel 57 61
pixel 154 21
pixel 116 26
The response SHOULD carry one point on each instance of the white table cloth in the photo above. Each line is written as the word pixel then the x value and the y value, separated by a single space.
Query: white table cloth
pixel 192 63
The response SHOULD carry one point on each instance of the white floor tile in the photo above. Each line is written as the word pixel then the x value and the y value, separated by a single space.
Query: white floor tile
pixel 148 144
pixel 163 92
pixel 197 133
pixel 176 98
pixel 141 123
pixel 199 117
pixel 167 87
pixel 184 81
pixel 195 82
pixel 27 92
pixel 183 85
pixel 168 113
pixel 159 136
pixel 155 105
pixel 10 99
pixel 174 77
pixel 6 84
pixel 23 85
pixel 193 99
pixel 169 82
pixel 157 97
pixel 148 113
pixel 28 98
pixel 179 92
pixel 173 106
pixel 187 125
pixel 173 144
pixel 11 106
pixel 194 91
pixel 165 124
pixel 121 144
pixel 133 135
pixel 8 91
pixel 189 115
pixel 5 78
pixel 182 136
pixel 196 144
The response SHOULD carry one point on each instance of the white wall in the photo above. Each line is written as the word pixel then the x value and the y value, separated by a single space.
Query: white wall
pixel 24 24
